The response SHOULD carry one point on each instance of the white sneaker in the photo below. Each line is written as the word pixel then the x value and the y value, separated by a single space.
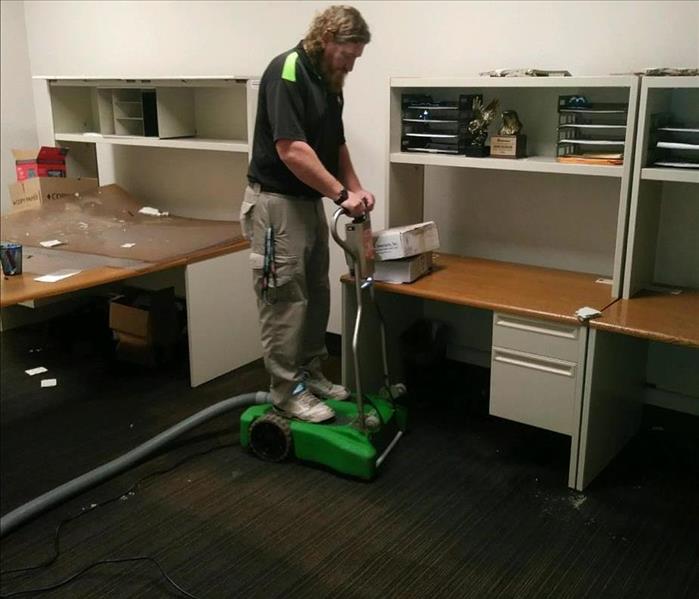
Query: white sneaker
pixel 322 387
pixel 306 406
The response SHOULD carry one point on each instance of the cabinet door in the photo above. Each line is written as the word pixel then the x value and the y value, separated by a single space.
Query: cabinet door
pixel 175 112
pixel 533 389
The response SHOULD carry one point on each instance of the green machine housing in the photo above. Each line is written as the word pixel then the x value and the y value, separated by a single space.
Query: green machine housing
pixel 339 444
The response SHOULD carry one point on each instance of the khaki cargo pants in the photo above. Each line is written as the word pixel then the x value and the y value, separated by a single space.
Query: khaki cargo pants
pixel 294 316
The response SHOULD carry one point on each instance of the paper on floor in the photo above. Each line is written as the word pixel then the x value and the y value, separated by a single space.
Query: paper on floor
pixel 37 370
pixel 48 383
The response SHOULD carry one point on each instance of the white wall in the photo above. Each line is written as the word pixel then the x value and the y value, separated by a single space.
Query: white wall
pixel 410 39
pixel 18 126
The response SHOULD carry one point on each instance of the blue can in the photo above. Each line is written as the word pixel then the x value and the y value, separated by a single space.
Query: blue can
pixel 11 257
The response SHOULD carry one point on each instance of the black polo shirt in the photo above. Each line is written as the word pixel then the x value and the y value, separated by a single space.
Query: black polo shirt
pixel 294 104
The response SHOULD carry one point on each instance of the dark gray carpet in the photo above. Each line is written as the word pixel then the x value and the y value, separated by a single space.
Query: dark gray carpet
pixel 466 506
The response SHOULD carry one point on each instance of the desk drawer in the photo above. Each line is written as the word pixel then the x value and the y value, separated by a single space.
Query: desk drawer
pixel 535 336
pixel 533 389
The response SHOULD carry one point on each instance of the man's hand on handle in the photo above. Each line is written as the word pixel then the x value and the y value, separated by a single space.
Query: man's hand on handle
pixel 358 203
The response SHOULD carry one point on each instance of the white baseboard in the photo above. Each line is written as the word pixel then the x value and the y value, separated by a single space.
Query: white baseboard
pixel 671 401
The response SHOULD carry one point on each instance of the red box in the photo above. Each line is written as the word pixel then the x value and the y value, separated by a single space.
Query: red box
pixel 43 162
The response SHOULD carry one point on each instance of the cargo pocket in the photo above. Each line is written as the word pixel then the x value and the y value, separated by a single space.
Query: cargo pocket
pixel 287 287
pixel 246 210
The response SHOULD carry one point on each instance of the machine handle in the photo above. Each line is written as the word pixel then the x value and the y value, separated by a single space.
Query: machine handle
pixel 336 236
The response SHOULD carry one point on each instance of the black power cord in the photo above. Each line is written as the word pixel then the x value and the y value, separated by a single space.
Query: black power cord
pixel 87 510
pixel 94 565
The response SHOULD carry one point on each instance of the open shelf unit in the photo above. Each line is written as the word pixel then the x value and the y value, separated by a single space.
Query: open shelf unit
pixel 190 143
pixel 663 246
pixel 417 187
pixel 181 142
pixel 209 114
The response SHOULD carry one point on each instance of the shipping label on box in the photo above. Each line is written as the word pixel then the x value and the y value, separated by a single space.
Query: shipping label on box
pixel 33 193
pixel 403 242
pixel 40 162
pixel 403 270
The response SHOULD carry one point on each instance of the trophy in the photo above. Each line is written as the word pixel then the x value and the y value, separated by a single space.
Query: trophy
pixel 477 130
pixel 509 142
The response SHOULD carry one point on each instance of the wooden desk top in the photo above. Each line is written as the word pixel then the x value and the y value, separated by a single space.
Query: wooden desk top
pixel 94 227
pixel 655 316
pixel 506 287
pixel 96 270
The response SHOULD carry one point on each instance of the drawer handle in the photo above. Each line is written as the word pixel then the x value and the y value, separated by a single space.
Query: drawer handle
pixel 537 364
pixel 567 333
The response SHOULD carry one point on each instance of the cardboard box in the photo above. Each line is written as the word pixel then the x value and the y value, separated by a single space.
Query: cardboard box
pixel 403 242
pixel 40 162
pixel 32 193
pixel 145 325
pixel 403 270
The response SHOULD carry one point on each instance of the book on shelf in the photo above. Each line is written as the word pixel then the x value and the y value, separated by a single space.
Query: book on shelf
pixel 603 158
pixel 676 164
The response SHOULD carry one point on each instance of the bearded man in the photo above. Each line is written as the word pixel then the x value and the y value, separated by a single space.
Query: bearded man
pixel 299 157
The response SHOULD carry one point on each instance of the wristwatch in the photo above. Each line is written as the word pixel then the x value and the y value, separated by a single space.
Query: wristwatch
pixel 344 194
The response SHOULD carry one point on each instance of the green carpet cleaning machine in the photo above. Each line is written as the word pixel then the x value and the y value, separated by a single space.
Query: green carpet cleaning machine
pixel 365 427
pixel 355 443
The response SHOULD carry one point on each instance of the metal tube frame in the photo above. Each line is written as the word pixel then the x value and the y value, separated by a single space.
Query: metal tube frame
pixel 359 285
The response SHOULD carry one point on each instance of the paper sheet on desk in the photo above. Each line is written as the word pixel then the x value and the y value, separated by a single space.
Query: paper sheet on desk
pixel 51 243
pixel 58 275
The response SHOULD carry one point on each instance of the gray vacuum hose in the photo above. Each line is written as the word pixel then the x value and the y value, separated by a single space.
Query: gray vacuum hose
pixel 33 508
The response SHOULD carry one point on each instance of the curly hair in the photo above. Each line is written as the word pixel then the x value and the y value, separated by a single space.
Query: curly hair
pixel 344 22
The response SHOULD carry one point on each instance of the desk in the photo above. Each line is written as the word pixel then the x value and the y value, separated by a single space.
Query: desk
pixel 221 312
pixel 606 404
pixel 616 369
pixel 538 344
pixel 507 287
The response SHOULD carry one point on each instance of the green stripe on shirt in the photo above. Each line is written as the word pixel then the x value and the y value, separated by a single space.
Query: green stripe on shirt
pixel 289 70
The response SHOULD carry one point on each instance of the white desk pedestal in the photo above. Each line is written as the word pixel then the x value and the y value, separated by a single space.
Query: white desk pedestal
pixel 222 316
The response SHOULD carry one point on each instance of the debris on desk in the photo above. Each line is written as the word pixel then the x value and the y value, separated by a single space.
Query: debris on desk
pixel 48 382
pixel 51 243
pixel 587 313
pixel 152 211
pixel 663 289
pixel 37 370
pixel 57 276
